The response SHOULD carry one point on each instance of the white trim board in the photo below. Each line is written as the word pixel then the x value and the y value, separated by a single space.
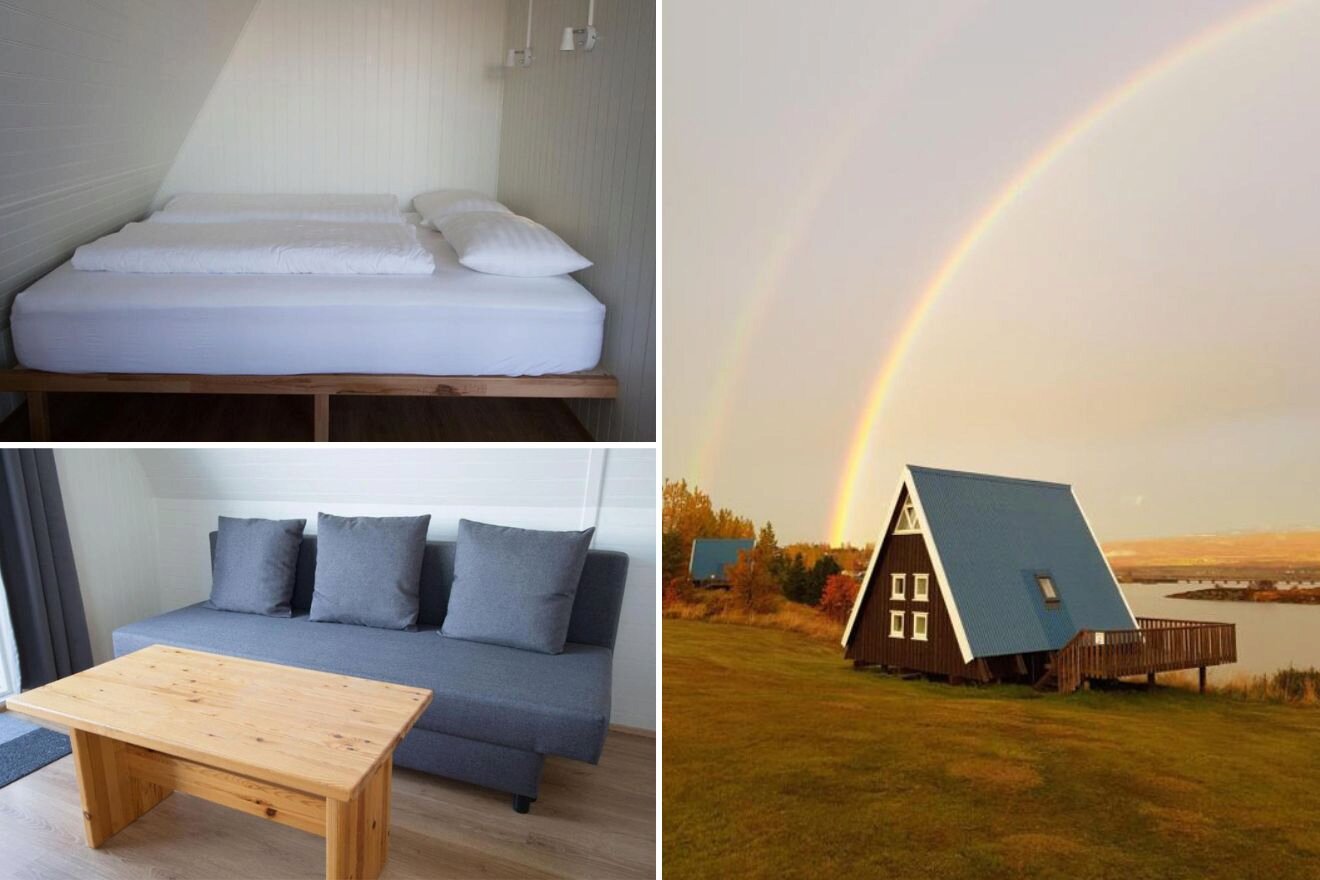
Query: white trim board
pixel 946 589
pixel 870 568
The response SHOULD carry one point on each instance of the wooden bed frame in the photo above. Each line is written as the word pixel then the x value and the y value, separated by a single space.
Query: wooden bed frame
pixel 320 386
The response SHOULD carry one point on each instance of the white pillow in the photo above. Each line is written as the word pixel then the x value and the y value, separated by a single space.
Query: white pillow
pixel 436 206
pixel 506 244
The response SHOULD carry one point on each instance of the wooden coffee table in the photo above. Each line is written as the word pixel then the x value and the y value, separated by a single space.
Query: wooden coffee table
pixel 302 748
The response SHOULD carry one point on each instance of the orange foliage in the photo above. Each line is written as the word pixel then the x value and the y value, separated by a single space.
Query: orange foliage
pixel 677 591
pixel 689 513
pixel 836 600
pixel 751 583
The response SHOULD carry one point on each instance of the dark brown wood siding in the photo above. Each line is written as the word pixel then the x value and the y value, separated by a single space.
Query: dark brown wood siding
pixel 871 642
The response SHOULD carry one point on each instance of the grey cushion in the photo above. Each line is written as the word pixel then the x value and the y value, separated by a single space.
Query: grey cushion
pixel 369 569
pixel 254 565
pixel 596 607
pixel 515 587
pixel 556 705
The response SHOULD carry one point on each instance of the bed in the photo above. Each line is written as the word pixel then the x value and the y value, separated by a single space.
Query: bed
pixel 450 332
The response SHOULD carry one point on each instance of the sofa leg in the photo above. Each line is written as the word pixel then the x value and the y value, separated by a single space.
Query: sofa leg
pixel 522 803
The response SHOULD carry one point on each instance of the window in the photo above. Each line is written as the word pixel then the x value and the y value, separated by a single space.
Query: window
pixel 921 588
pixel 1046 584
pixel 908 524
pixel 898 586
pixel 896 624
pixel 919 625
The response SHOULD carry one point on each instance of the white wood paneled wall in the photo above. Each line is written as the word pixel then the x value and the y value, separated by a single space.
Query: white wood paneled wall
pixel 140 519
pixel 112 524
pixel 95 99
pixel 398 96
pixel 577 153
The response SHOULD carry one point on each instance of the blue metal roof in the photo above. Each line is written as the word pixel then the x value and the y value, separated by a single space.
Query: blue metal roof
pixel 993 536
pixel 710 555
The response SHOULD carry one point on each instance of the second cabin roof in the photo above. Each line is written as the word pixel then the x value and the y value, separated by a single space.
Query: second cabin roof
pixel 711 555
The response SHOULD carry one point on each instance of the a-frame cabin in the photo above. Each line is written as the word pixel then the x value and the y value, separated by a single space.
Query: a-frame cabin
pixel 986 578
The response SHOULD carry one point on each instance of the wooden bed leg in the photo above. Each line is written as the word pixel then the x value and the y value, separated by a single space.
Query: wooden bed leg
pixel 38 416
pixel 321 418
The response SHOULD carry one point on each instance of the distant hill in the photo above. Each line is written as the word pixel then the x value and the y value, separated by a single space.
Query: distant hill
pixel 1287 556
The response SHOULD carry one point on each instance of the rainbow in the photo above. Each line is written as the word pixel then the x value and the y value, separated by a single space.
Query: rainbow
pixel 825 171
pixel 1195 46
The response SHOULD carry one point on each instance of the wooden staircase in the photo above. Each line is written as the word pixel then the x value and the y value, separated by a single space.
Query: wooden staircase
pixel 1050 679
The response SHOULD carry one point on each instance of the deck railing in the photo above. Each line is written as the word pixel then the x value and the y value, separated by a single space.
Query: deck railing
pixel 1159 645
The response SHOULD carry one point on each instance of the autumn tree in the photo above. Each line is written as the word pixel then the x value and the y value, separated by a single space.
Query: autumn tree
pixel 794 581
pixel 825 567
pixel 678 591
pixel 674 557
pixel 768 544
pixel 751 584
pixel 689 514
pixel 836 599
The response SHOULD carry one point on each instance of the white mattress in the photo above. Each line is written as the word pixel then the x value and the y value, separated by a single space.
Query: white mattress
pixel 453 322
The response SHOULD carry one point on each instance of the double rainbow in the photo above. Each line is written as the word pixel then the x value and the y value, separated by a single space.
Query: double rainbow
pixel 1196 46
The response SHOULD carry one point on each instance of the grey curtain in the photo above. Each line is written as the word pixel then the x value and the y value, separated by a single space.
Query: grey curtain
pixel 36 561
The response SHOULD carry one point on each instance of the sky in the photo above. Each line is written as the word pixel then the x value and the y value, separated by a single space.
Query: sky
pixel 1141 318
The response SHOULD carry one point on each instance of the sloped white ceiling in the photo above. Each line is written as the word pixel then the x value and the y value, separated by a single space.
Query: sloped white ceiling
pixel 95 99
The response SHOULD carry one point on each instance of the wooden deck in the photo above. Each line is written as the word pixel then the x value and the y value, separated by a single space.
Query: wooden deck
pixel 1158 645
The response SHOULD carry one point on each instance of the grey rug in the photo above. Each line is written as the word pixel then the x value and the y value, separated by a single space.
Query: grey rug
pixel 30 751
pixel 12 724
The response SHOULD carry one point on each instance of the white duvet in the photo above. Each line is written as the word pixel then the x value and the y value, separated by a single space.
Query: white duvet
pixel 268 247
pixel 241 207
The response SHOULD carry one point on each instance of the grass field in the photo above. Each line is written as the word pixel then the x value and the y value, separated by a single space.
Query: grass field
pixel 780 760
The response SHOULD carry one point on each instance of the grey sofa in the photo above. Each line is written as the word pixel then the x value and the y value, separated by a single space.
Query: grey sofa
pixel 497 711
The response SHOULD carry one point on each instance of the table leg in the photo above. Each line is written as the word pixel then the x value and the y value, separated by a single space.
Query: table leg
pixel 111 797
pixel 357 830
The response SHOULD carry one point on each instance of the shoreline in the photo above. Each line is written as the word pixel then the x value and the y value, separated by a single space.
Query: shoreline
pixel 1295 596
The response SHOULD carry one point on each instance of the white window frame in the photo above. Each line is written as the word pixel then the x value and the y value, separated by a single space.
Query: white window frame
pixel 908 524
pixel 921 588
pixel 898 586
pixel 897 617
pixel 1041 579
pixel 924 617
pixel 9 674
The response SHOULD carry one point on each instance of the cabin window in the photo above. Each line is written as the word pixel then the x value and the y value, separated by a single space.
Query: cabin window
pixel 898 586
pixel 919 625
pixel 908 524
pixel 896 624
pixel 1047 590
pixel 921 588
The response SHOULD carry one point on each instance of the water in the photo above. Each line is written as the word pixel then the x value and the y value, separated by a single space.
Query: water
pixel 1270 636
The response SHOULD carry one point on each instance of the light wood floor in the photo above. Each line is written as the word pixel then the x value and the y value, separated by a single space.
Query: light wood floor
pixel 284 418
pixel 589 822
